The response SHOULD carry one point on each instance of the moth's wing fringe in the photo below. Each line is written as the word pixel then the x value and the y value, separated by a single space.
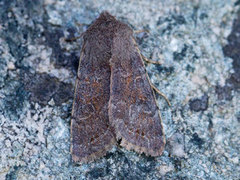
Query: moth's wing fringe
pixel 95 155
pixel 129 146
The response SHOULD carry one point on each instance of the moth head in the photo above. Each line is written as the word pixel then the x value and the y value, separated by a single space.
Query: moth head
pixel 105 21
pixel 105 15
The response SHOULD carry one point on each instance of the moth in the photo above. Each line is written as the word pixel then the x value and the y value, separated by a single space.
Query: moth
pixel 113 100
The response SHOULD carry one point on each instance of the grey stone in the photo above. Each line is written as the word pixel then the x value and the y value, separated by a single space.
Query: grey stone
pixel 200 104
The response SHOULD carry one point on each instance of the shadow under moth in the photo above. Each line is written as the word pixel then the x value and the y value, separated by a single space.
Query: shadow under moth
pixel 113 100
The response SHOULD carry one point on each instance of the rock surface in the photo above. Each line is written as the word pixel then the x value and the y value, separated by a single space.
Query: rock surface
pixel 198 43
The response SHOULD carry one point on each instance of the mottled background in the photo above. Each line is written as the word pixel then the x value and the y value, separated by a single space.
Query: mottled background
pixel 198 43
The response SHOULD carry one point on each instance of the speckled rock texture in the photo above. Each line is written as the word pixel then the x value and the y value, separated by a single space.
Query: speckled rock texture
pixel 198 43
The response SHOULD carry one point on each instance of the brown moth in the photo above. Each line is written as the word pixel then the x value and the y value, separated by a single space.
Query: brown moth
pixel 113 97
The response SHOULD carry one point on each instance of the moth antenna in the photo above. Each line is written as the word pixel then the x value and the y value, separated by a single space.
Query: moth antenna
pixel 160 93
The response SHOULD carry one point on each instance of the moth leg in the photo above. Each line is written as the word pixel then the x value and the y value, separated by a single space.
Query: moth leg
pixel 78 37
pixel 140 31
pixel 156 89
pixel 150 61
pixel 73 39
pixel 163 95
